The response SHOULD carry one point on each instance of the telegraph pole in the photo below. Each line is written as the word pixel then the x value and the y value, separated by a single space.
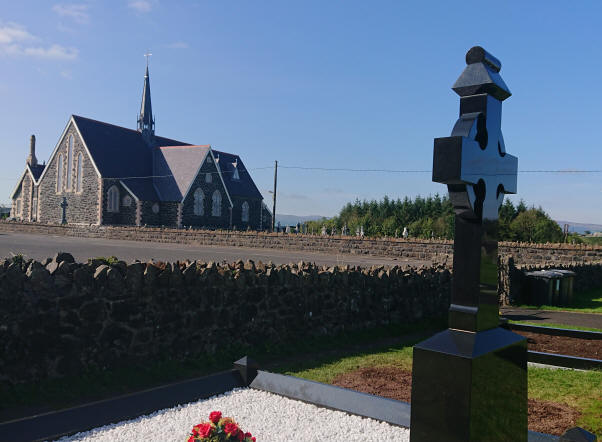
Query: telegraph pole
pixel 274 206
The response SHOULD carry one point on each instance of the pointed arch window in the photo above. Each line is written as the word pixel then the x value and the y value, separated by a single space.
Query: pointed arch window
pixel 70 163
pixel 80 173
pixel 245 212
pixel 199 202
pixel 59 173
pixel 216 207
pixel 113 199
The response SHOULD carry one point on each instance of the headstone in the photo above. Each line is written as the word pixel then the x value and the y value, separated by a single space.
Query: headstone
pixel 288 229
pixel 64 206
pixel 357 231
pixel 323 230
pixel 469 382
pixel 361 231
pixel 297 228
pixel 405 233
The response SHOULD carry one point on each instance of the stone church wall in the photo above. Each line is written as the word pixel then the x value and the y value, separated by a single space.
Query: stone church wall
pixel 64 318
pixel 188 216
pixel 17 203
pixel 83 206
pixel 254 213
pixel 26 197
pixel 126 215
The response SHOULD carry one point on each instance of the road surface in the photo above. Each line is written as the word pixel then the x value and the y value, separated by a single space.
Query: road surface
pixel 40 247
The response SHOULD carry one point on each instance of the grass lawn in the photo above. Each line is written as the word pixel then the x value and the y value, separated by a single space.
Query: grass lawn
pixel 582 390
pixel 585 302
pixel 550 324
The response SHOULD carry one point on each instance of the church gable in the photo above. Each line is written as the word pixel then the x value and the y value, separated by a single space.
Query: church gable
pixel 206 202
pixel 70 174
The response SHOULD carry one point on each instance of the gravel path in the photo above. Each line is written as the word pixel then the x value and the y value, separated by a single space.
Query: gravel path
pixel 269 417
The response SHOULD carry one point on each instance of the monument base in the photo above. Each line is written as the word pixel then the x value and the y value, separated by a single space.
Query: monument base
pixel 470 386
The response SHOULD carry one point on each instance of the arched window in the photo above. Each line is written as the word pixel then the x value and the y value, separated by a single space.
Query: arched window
pixel 199 202
pixel 113 199
pixel 216 208
pixel 245 212
pixel 208 177
pixel 59 173
pixel 70 164
pixel 127 201
pixel 80 172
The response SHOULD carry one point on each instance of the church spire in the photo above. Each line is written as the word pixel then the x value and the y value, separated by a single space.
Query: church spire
pixel 146 122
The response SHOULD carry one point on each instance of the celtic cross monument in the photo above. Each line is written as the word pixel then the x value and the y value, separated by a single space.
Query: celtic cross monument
pixel 470 381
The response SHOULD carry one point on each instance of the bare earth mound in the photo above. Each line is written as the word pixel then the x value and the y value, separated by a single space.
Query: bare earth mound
pixel 584 348
pixel 396 383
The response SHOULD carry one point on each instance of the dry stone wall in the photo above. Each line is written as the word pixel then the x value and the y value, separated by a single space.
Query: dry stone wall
pixel 435 251
pixel 61 318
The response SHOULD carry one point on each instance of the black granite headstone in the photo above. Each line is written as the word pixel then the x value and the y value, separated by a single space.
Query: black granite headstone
pixel 470 381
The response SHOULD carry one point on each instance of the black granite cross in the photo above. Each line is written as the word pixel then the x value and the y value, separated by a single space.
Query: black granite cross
pixel 469 382
pixel 64 206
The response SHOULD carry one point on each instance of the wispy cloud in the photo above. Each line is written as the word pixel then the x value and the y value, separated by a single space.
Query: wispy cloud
pixel 66 74
pixel 16 41
pixel 141 6
pixel 176 45
pixel 78 12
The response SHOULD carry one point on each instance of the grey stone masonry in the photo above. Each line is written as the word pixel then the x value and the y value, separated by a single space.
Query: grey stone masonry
pixel 207 219
pixel 83 205
pixel 254 213
pixel 126 213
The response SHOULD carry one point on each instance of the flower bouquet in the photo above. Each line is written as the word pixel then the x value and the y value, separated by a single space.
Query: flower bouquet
pixel 219 429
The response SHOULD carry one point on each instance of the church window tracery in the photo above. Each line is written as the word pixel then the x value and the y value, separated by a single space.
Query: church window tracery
pixel 245 212
pixel 59 174
pixel 80 177
pixel 216 207
pixel 113 199
pixel 199 202
pixel 127 201
pixel 70 164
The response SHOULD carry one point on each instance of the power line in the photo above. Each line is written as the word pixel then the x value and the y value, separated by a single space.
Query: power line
pixel 341 169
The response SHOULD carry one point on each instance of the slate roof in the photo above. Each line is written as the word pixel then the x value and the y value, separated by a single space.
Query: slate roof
pixel 163 173
pixel 244 186
pixel 117 151
pixel 176 167
pixel 36 170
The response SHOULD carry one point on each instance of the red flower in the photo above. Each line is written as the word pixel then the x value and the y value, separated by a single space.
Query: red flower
pixel 247 434
pixel 215 416
pixel 191 439
pixel 205 430
pixel 231 428
pixel 241 436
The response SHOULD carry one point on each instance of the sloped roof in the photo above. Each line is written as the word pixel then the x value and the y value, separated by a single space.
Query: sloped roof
pixel 244 186
pixel 142 188
pixel 36 171
pixel 118 152
pixel 176 167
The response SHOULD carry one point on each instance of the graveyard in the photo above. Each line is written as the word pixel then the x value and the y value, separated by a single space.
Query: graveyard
pixel 106 350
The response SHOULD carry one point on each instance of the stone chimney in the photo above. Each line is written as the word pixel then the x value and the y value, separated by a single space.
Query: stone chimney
pixel 31 159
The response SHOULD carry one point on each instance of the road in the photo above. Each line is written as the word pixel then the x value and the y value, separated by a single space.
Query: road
pixel 40 247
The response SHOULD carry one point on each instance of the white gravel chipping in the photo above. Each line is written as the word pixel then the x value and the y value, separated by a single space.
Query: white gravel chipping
pixel 269 417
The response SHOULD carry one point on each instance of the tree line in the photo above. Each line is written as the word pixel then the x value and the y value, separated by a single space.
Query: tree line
pixel 433 217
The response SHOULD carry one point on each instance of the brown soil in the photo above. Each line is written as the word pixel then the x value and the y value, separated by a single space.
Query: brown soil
pixel 584 348
pixel 396 383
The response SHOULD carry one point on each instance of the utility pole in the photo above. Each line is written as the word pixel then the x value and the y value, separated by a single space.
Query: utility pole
pixel 274 206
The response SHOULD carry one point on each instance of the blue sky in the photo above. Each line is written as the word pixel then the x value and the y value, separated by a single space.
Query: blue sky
pixel 335 84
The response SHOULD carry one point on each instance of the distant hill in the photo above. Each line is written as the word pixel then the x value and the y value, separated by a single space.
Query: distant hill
pixel 580 227
pixel 292 220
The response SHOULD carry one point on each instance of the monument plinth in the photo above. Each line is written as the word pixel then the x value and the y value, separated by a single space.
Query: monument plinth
pixel 470 381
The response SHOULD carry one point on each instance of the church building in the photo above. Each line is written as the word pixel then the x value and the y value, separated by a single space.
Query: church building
pixel 104 174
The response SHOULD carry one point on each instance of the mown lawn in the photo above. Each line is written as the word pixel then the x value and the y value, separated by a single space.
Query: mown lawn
pixel 585 302
pixel 579 389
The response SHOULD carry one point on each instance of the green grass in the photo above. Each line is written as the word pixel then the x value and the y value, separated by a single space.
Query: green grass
pixel 592 240
pixel 582 390
pixel 585 302
pixel 25 399
pixel 550 324
pixel 579 389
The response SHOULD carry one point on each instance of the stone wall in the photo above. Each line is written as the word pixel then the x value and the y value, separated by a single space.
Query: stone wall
pixel 83 205
pixel 61 318
pixel 436 251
